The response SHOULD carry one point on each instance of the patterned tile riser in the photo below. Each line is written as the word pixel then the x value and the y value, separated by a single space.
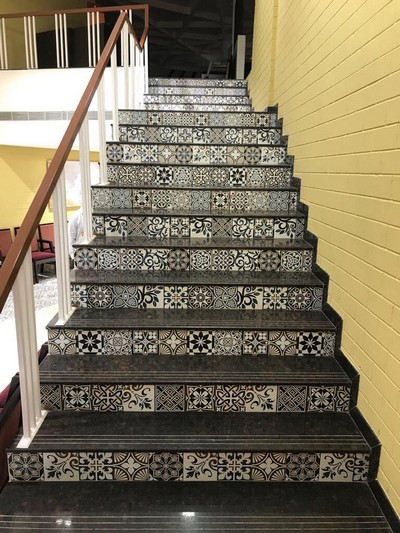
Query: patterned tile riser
pixel 192 342
pixel 133 296
pixel 191 82
pixel 234 202
pixel 188 466
pixel 196 99
pixel 196 398
pixel 263 260
pixel 198 107
pixel 197 154
pixel 202 118
pixel 198 176
pixel 200 135
pixel 206 91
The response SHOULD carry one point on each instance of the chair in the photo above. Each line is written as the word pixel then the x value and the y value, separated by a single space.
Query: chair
pixel 46 237
pixel 5 243
pixel 40 256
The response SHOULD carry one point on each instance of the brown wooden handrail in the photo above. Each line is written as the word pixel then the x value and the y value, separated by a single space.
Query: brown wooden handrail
pixel 22 242
pixel 133 7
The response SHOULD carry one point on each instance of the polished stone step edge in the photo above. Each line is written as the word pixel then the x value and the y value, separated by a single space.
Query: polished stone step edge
pixel 199 176
pixel 197 154
pixel 198 107
pixel 201 135
pixel 203 99
pixel 198 91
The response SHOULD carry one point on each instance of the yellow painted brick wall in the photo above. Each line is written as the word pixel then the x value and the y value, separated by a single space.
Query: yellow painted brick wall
pixel 336 78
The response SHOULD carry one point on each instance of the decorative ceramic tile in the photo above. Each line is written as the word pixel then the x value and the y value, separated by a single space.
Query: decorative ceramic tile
pixel 50 396
pixel 230 398
pixel 200 466
pixel 25 466
pixel 225 297
pixel 130 466
pixel 166 466
pixel 85 258
pixel 228 342
pixel 269 260
pixel 234 466
pixel 310 343
pixel 145 342
pixel 242 228
pixel 220 200
pixel 201 200
pixel 292 398
pixel 173 342
pixel 268 466
pixel 261 398
pixel 263 228
pixel 336 467
pixel 179 227
pixel 241 201
pixel 109 259
pixel 132 259
pixel 177 259
pixel 96 466
pixel 107 397
pixel 78 295
pixel 200 260
pixel 62 341
pixel 138 398
pixel 282 343
pixel 200 297
pixel 89 341
pixel 176 297
pixel 223 259
pixel 321 398
pixel 255 342
pixel 162 259
pixel 98 225
pixel 250 297
pixel 361 466
pixel 77 397
pixel 136 226
pixel 99 296
pixel 329 344
pixel 201 227
pixel 302 466
pixel 285 228
pixel 342 398
pixel 158 227
pixel 200 398
pixel 275 298
pixel 61 466
pixel 170 397
pixel 200 342
pixel 291 261
pixel 161 199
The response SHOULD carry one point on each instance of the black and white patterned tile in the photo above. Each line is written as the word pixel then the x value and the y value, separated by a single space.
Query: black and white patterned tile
pixel 197 176
pixel 196 398
pixel 198 90
pixel 192 82
pixel 197 107
pixel 203 99
pixel 190 154
pixel 53 466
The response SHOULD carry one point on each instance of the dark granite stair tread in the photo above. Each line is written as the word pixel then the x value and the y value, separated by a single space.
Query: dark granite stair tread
pixel 199 432
pixel 177 369
pixel 196 277
pixel 197 319
pixel 198 165
pixel 190 507
pixel 193 243
pixel 198 145
pixel 176 212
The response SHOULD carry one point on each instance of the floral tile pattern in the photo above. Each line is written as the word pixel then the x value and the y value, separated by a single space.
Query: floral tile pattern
pixel 187 466
pixel 195 397
pixel 204 99
pixel 197 176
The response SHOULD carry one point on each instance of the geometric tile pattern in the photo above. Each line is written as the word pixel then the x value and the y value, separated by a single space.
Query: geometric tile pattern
pixel 196 99
pixel 199 135
pixel 190 82
pixel 210 91
pixel 187 466
pixel 204 342
pixel 196 398
pixel 196 154
pixel 198 176
pixel 197 107
pixel 197 296
pixel 167 200
pixel 203 257
pixel 204 118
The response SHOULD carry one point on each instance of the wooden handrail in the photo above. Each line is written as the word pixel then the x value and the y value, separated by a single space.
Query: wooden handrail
pixel 133 7
pixel 22 242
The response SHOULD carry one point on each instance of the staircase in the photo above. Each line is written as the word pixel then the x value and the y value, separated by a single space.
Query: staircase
pixel 202 350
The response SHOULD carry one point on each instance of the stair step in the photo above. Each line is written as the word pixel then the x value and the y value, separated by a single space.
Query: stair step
pixel 197 107
pixel 198 90
pixel 196 202
pixel 183 508
pixel 193 82
pixel 95 382
pixel 216 253
pixel 205 117
pixel 193 332
pixel 199 176
pixel 196 154
pixel 191 290
pixel 200 135
pixel 202 99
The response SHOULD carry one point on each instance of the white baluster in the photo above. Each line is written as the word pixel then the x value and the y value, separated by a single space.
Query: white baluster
pixel 89 40
pixel 66 62
pixel 84 158
pixel 24 310
pixel 240 56
pixel 115 94
pixel 131 67
pixel 125 55
pixel 101 117
pixel 35 59
pixel 27 55
pixel 57 40
pixel 146 67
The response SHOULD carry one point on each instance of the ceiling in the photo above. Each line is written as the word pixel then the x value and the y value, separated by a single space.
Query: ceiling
pixel 186 35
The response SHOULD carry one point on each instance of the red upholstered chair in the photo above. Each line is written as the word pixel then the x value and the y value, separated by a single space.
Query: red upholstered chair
pixel 46 237
pixel 40 256
pixel 5 243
